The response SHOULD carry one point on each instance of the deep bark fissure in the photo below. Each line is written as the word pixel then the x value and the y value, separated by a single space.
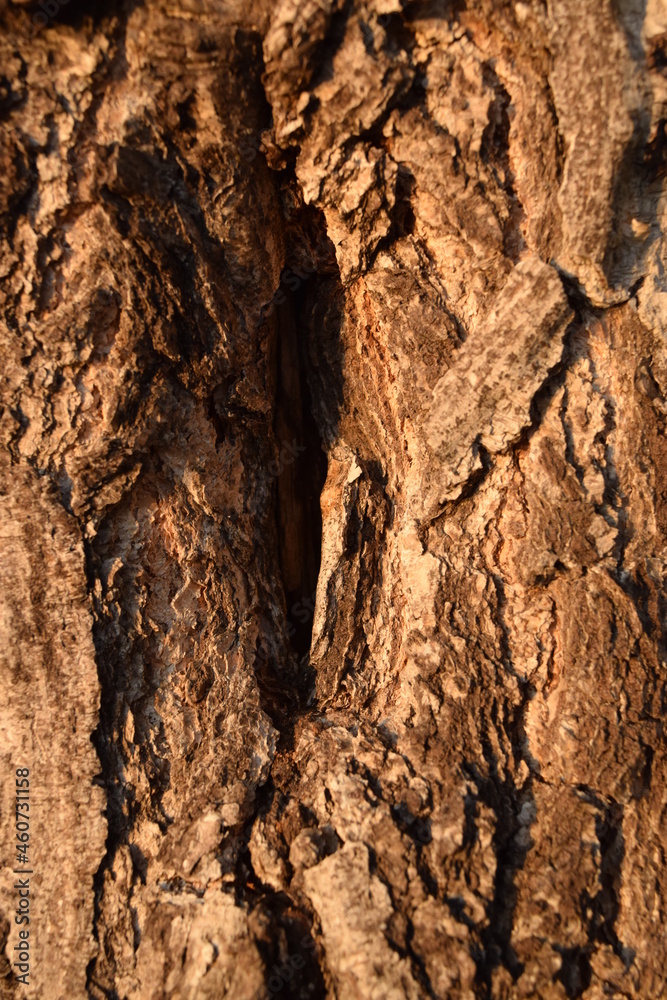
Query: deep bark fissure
pixel 301 467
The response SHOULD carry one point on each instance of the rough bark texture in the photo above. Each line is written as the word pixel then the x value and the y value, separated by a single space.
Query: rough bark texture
pixel 342 317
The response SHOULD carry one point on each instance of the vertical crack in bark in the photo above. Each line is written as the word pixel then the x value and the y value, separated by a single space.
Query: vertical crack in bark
pixel 301 468
pixel 103 750
pixel 604 906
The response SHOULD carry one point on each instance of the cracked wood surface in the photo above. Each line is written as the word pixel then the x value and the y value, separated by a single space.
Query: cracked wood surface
pixel 409 256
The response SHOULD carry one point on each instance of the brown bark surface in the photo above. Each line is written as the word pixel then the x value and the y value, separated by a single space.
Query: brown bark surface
pixel 333 497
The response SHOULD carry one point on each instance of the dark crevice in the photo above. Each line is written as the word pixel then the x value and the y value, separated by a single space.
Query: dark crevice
pixel 515 809
pixel 402 214
pixel 76 12
pixel 300 470
pixel 575 972
pixel 110 767
pixel 447 10
pixel 323 53
pixel 604 906
pixel 570 455
pixel 297 472
pixel 287 945
pixel 495 152
pixel 511 849
pixel 614 508
pixel 288 942
pixel 625 255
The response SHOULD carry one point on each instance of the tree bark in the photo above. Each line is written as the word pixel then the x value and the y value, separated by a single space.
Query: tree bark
pixel 334 498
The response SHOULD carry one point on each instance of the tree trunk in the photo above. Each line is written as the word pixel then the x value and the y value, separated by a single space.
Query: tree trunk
pixel 334 499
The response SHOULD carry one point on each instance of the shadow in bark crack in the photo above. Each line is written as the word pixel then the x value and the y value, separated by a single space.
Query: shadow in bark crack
pixel 304 320
pixel 510 806
pixel 301 472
